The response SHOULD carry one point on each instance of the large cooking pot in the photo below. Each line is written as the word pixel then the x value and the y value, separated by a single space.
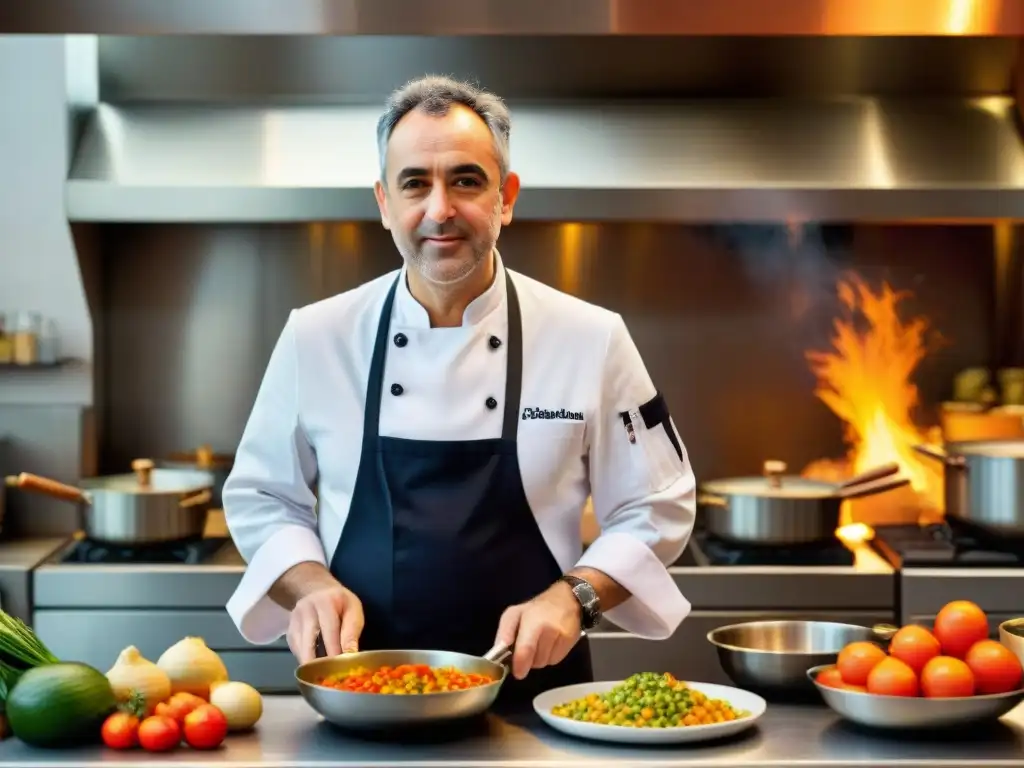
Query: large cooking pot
pixel 150 506
pixel 203 459
pixel 984 483
pixel 780 509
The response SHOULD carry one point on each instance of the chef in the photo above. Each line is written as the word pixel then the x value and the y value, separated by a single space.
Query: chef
pixel 454 417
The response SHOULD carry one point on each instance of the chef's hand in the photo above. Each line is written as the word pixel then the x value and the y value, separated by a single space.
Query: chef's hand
pixel 332 612
pixel 542 631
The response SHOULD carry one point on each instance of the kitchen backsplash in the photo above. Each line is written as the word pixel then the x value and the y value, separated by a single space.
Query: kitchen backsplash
pixel 722 316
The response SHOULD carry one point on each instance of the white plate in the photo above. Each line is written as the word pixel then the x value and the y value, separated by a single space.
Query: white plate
pixel 739 699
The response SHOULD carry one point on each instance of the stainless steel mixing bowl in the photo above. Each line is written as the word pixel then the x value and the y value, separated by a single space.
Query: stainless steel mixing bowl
pixel 374 711
pixel 772 657
pixel 906 713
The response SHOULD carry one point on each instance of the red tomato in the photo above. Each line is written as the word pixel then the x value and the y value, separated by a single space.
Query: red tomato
pixel 159 733
pixel 121 731
pixel 830 676
pixel 915 646
pixel 996 668
pixel 857 660
pixel 205 727
pixel 946 677
pixel 960 625
pixel 892 677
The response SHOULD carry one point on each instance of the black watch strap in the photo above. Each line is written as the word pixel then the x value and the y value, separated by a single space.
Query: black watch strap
pixel 590 603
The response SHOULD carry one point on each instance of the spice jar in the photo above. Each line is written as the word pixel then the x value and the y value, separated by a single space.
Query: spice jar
pixel 25 332
pixel 48 345
pixel 6 342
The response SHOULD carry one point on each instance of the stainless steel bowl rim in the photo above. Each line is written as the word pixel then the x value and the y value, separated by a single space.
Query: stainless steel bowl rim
pixel 768 652
pixel 813 671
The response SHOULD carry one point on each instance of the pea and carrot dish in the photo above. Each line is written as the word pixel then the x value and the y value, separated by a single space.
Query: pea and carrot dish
pixel 404 680
pixel 650 700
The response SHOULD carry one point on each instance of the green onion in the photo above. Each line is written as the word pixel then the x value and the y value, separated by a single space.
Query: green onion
pixel 20 650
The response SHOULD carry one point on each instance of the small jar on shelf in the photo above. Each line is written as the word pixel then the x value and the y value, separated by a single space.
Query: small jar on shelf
pixel 25 332
pixel 6 342
pixel 48 344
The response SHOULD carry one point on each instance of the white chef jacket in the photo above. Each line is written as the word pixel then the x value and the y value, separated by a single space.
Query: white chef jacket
pixel 306 426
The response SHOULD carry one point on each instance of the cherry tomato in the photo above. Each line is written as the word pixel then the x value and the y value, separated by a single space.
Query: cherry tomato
pixel 857 660
pixel 205 727
pixel 892 677
pixel 831 677
pixel 958 626
pixel 946 677
pixel 179 705
pixel 121 731
pixel 996 668
pixel 915 646
pixel 159 733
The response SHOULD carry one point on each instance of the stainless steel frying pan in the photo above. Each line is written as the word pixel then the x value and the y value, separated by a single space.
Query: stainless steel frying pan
pixel 373 711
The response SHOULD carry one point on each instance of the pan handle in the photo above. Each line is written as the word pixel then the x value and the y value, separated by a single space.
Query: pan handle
pixel 501 652
pixel 708 500
pixel 29 482
pixel 870 489
pixel 498 653
pixel 196 500
pixel 938 454
pixel 872 474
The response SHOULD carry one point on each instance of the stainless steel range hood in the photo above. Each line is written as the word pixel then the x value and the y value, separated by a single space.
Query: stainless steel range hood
pixel 864 159
pixel 523 17
pixel 281 129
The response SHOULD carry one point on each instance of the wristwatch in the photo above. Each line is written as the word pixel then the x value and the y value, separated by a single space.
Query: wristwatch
pixel 590 603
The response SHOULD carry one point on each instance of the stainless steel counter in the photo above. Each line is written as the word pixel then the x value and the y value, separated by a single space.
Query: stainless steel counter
pixel 18 558
pixel 291 735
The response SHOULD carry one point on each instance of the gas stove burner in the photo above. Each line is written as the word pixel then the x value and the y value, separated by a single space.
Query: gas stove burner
pixel 719 552
pixel 943 545
pixel 183 552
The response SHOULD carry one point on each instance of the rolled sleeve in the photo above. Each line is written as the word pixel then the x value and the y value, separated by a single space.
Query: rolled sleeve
pixel 268 502
pixel 644 494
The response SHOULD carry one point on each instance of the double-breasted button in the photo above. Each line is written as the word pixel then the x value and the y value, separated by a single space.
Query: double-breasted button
pixel 401 339
pixel 491 403
pixel 396 389
pixel 495 342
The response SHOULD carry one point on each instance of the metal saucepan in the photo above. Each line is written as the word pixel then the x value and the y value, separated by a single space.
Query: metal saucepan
pixel 204 459
pixel 984 483
pixel 361 711
pixel 779 509
pixel 147 507
pixel 772 657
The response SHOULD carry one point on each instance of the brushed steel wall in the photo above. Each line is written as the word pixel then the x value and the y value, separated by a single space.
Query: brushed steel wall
pixel 722 317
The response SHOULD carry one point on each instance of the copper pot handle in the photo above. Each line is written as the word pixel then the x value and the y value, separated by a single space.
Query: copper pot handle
pixel 196 500
pixel 872 474
pixel 28 482
pixel 870 489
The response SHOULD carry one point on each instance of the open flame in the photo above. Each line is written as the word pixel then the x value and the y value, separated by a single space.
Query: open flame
pixel 867 381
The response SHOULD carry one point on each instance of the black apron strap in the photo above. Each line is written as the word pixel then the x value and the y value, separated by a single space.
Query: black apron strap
pixel 514 364
pixel 375 385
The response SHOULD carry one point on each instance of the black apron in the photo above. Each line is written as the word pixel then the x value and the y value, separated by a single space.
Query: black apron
pixel 440 538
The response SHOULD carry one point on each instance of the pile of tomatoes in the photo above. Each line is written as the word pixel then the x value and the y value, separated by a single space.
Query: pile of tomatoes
pixel 955 658
pixel 184 717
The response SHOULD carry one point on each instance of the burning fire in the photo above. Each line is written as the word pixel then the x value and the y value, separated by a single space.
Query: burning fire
pixel 866 380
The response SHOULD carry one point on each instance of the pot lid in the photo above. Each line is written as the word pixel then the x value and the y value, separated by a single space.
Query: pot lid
pixel 772 484
pixel 146 480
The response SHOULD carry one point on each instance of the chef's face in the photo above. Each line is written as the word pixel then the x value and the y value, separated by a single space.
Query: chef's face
pixel 444 200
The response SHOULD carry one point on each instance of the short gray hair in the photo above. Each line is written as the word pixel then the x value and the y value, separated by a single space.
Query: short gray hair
pixel 435 94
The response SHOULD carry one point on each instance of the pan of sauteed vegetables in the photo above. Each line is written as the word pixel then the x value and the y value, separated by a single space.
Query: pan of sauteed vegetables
pixel 372 690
